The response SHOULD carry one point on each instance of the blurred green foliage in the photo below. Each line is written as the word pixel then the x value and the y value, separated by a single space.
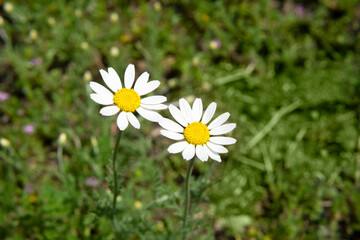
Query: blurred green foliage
pixel 287 71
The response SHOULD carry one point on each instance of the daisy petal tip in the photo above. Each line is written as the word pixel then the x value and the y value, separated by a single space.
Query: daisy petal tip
pixel 92 96
pixel 172 151
pixel 122 128
pixel 202 160
pixel 101 112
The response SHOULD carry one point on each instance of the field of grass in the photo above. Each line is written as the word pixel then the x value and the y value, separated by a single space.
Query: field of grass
pixel 287 71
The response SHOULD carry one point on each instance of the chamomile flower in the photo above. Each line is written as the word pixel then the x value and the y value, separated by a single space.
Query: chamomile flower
pixel 199 138
pixel 129 99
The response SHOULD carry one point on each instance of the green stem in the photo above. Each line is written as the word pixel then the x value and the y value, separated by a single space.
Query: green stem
pixel 187 195
pixel 118 137
pixel 60 163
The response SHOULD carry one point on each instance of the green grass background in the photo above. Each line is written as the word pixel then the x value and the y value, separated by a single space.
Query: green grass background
pixel 287 71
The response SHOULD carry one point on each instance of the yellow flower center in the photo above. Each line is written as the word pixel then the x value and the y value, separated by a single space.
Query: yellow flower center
pixel 197 133
pixel 127 100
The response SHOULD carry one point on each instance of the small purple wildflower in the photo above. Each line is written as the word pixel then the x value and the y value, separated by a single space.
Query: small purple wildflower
pixel 36 61
pixel 29 128
pixel 299 10
pixel 4 96
pixel 29 188
pixel 215 44
pixel 91 181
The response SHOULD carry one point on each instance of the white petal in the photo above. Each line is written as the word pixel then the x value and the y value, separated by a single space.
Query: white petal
pixel 177 115
pixel 101 99
pixel 197 110
pixel 108 80
pixel 109 111
pixel 133 120
pixel 148 87
pixel 186 110
pixel 153 99
pixel 219 120
pixel 209 113
pixel 149 115
pixel 223 140
pixel 154 106
pixel 201 153
pixel 212 154
pixel 172 135
pixel 223 129
pixel 189 152
pixel 122 121
pixel 115 78
pixel 129 76
pixel 170 125
pixel 142 80
pixel 216 148
pixel 177 147
pixel 100 89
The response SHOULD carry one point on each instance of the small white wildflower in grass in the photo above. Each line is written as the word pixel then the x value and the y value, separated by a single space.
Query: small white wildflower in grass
pixel 87 76
pixel 114 17
pixel 172 83
pixel 2 21
pixel 206 86
pixel 200 139
pixel 8 7
pixel 33 34
pixel 157 6
pixel 84 46
pixel 137 204
pixel 114 51
pixel 51 21
pixel 215 44
pixel 190 98
pixel 78 13
pixel 4 142
pixel 129 99
pixel 195 61
pixel 94 144
pixel 62 138
pixel 160 226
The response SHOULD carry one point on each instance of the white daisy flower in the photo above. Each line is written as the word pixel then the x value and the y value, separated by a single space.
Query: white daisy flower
pixel 198 137
pixel 129 99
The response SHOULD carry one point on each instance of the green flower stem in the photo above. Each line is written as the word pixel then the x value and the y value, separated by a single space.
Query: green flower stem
pixel 187 195
pixel 115 192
